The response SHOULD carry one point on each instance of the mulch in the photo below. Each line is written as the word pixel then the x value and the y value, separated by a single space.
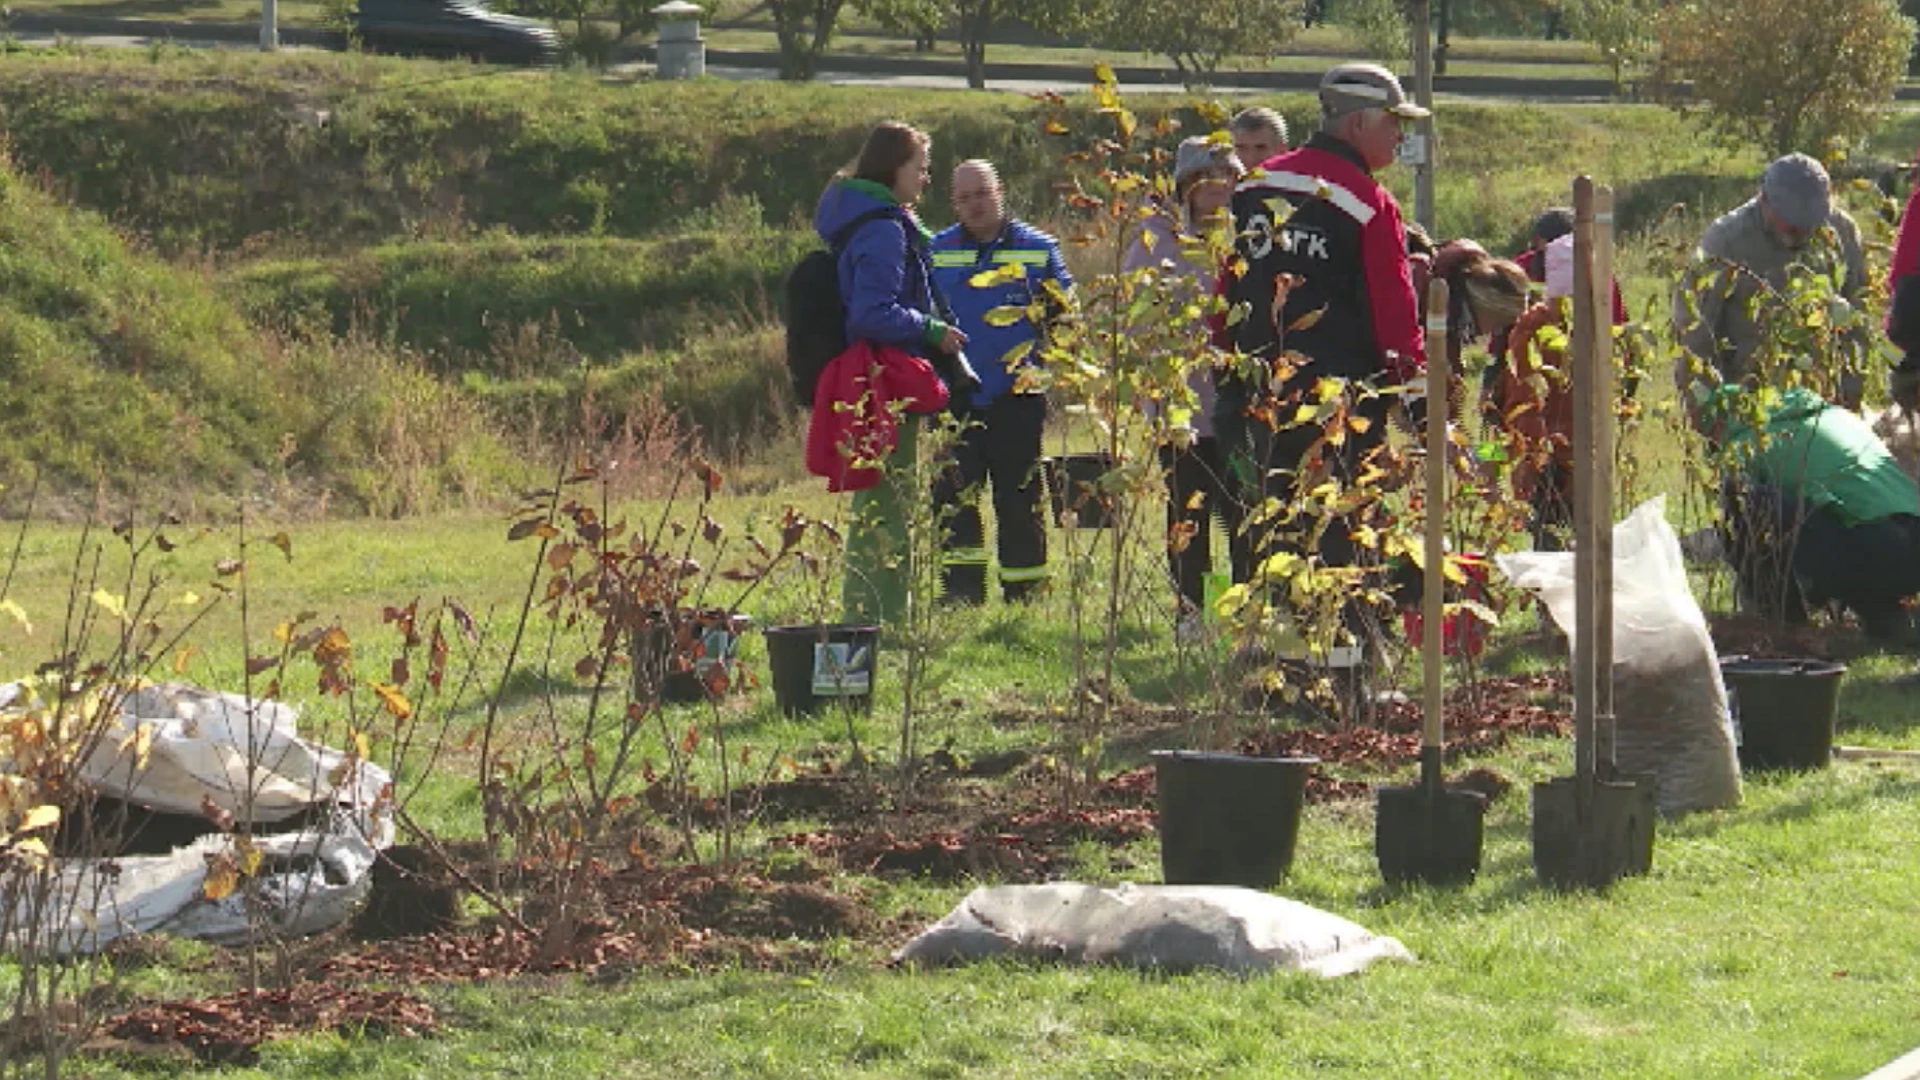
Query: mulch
pixel 228 1029
pixel 780 913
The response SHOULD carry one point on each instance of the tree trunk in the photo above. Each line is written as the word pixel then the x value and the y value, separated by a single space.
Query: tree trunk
pixel 976 22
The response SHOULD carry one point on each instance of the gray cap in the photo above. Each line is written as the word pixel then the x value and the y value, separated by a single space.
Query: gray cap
pixel 1350 88
pixel 1796 190
pixel 1198 153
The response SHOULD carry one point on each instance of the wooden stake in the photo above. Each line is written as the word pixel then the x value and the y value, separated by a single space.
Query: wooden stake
pixel 1603 453
pixel 1584 458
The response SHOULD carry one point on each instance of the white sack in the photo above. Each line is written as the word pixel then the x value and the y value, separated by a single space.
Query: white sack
pixel 1177 927
pixel 307 882
pixel 1671 720
pixel 211 747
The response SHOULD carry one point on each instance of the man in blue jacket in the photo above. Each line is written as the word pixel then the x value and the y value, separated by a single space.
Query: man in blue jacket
pixel 1000 440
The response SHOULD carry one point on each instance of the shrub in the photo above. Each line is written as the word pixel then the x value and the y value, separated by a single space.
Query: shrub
pixel 1786 74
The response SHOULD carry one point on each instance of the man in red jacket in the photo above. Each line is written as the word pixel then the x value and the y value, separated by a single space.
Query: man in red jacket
pixel 1321 257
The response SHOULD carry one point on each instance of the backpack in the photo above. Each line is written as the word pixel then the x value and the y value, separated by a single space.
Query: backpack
pixel 816 314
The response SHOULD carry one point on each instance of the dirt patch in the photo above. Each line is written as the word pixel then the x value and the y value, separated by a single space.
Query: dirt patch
pixel 229 1029
pixel 1016 846
pixel 643 916
pixel 1750 635
pixel 1478 719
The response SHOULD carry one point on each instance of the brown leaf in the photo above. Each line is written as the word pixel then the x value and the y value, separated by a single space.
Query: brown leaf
pixel 710 477
pixel 465 621
pixel 523 528
pixel 399 672
pixel 221 817
pixel 559 555
pixel 228 567
pixel 436 658
pixel 586 668
pixel 284 543
pixel 258 664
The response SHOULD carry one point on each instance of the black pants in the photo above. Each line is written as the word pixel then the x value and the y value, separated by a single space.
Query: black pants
pixel 998 443
pixel 1788 556
pixel 1266 462
pixel 1201 469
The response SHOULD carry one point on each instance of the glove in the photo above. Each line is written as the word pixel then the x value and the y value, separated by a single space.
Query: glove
pixel 962 381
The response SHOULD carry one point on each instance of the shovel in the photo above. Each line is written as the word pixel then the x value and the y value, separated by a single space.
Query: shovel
pixel 1426 832
pixel 1591 829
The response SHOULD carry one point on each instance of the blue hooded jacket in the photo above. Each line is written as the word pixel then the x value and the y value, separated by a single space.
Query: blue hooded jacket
pixel 885 280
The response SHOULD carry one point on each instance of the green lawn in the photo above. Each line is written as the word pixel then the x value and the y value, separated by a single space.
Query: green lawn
pixel 1769 940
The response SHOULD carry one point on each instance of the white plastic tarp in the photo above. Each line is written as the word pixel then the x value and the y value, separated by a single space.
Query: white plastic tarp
pixel 208 748
pixel 1175 927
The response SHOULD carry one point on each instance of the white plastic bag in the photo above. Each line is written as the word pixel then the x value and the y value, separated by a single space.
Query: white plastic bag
pixel 1671 720
pixel 1175 927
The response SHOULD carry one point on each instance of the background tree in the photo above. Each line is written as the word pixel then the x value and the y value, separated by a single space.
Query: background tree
pixel 1788 74
pixel 804 29
pixel 973 21
pixel 1198 35
pixel 1376 28
pixel 1625 32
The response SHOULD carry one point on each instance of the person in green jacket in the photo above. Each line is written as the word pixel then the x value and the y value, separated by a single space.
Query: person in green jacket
pixel 1825 513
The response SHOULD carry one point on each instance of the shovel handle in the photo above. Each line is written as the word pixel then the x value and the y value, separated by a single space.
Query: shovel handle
pixel 1433 596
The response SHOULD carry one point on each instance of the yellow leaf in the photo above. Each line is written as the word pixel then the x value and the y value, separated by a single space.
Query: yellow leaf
pixel 112 604
pixel 181 659
pixel 1307 320
pixel 40 817
pixel 999 275
pixel 1004 315
pixel 360 745
pixel 392 700
pixel 249 857
pixel 283 632
pixel 13 608
pixel 187 599
pixel 222 878
pixel 32 849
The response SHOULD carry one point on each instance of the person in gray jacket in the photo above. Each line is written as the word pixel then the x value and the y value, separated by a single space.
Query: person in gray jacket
pixel 1757 245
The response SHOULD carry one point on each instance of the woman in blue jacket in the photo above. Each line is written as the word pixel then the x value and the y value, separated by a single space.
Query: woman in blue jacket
pixel 886 283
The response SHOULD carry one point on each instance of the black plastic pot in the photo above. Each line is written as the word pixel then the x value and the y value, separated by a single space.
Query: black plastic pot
pixel 1785 710
pixel 813 665
pixel 710 639
pixel 1228 819
pixel 1073 483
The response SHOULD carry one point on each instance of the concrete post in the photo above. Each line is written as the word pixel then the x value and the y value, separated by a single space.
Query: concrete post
pixel 679 52
pixel 269 26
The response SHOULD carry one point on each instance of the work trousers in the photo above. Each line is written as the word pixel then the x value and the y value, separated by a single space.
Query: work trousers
pixel 998 443
pixel 1201 470
pixel 1788 555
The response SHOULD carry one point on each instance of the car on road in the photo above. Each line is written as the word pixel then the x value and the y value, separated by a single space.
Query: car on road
pixel 452 28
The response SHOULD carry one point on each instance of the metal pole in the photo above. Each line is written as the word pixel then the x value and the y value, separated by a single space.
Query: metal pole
pixel 1603 422
pixel 1585 564
pixel 1422 29
pixel 269 26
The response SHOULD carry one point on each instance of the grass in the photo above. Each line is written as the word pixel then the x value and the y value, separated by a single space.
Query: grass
pixel 1767 941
